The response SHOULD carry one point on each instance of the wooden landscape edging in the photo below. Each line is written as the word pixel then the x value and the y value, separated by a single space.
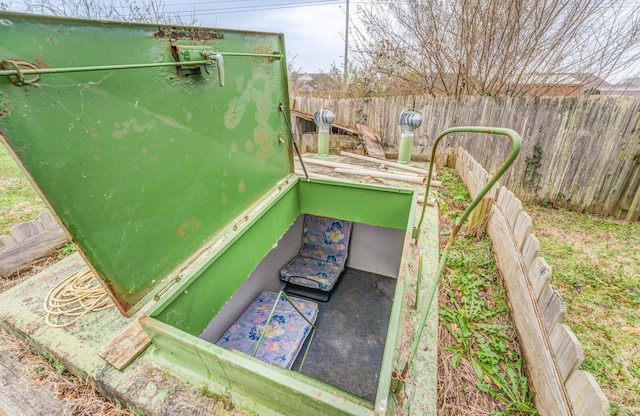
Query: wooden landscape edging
pixel 552 353
pixel 30 241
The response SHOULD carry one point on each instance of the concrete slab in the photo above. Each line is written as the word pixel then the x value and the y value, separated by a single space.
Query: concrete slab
pixel 141 385
pixel 419 396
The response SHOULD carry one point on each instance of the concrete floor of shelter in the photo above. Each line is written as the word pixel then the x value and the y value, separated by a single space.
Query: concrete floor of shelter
pixel 351 331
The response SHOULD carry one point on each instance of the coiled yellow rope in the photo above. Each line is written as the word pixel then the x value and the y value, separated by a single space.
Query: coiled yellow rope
pixel 73 298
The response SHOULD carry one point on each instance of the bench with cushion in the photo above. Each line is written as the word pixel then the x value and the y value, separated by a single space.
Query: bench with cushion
pixel 280 342
pixel 322 257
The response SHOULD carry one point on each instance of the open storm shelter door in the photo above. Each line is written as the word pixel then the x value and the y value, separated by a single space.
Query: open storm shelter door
pixel 165 153
pixel 143 158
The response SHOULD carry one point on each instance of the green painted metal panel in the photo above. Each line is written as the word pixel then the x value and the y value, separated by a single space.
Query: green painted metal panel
pixel 202 299
pixel 251 382
pixel 178 319
pixel 381 206
pixel 142 166
pixel 191 309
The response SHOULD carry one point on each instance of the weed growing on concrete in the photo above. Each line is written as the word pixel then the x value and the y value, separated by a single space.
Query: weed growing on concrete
pixel 58 367
pixel 67 250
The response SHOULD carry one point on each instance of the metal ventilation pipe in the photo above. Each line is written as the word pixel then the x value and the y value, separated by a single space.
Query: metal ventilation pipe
pixel 409 120
pixel 323 119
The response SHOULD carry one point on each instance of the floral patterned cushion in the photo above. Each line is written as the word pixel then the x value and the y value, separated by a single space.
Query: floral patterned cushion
pixel 325 239
pixel 323 254
pixel 316 274
pixel 284 336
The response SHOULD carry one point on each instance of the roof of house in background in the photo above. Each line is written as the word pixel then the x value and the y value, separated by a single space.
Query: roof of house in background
pixel 621 89
pixel 632 80
pixel 305 78
pixel 305 82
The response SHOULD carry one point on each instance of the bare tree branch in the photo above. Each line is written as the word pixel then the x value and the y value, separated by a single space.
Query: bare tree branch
pixel 495 47
pixel 147 11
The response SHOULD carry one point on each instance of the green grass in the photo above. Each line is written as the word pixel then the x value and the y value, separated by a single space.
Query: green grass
pixel 596 270
pixel 19 202
pixel 476 314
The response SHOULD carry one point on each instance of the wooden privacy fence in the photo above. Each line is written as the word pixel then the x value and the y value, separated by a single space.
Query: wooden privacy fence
pixel 581 154
pixel 552 352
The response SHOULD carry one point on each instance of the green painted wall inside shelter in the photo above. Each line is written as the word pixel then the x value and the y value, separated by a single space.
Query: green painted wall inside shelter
pixel 199 301
pixel 177 321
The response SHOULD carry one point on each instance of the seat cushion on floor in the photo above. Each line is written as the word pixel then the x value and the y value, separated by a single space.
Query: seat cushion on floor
pixel 284 336
pixel 316 274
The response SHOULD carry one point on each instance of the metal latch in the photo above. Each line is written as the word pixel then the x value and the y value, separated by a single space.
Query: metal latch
pixel 190 53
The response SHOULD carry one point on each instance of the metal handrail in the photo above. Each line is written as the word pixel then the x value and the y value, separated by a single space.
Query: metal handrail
pixel 515 149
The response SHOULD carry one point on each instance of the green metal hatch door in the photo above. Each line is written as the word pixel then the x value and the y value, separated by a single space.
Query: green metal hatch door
pixel 142 165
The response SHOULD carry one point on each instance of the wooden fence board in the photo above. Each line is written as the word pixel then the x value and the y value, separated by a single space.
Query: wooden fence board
pixel 633 213
pixel 550 399
pixel 26 230
pixel 495 191
pixel 588 143
pixel 472 184
pixel 47 219
pixel 512 209
pixel 522 229
pixel 6 241
pixel 530 250
pixel 502 195
pixel 38 246
pixel 567 350
pixel 552 308
pixel 586 396
pixel 460 166
pixel 539 275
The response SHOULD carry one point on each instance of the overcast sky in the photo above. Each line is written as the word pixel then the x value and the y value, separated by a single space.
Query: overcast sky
pixel 314 29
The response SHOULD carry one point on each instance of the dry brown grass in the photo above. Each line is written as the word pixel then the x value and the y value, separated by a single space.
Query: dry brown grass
pixel 457 392
pixel 77 397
